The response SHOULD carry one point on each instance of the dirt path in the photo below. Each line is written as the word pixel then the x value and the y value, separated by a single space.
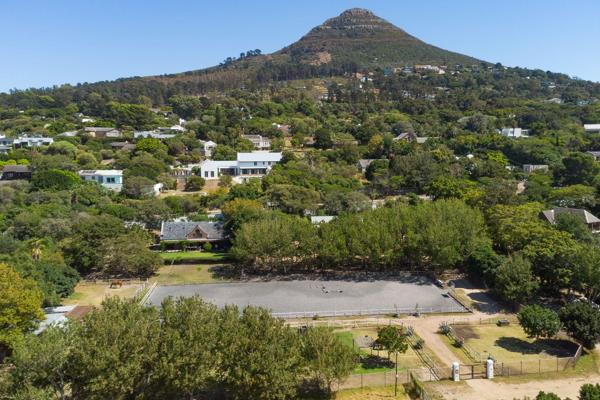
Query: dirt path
pixel 427 327
pixel 482 389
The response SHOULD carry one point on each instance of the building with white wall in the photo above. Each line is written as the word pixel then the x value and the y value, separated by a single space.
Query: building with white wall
pixel 109 178
pixel 247 165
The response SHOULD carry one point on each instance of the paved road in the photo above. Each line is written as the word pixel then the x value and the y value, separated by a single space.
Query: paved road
pixel 322 297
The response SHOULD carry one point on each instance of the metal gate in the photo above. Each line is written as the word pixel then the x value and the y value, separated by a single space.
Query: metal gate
pixel 472 371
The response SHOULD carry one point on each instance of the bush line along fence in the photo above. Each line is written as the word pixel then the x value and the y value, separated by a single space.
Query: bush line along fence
pixel 368 312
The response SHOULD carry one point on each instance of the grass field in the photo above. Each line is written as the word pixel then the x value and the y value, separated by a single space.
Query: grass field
pixel 92 294
pixel 186 275
pixel 377 360
pixel 509 343
pixel 192 256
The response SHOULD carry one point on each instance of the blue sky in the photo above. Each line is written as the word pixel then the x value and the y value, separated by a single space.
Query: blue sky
pixel 48 42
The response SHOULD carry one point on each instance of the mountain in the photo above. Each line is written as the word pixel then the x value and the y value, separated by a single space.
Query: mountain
pixel 358 36
pixel 355 40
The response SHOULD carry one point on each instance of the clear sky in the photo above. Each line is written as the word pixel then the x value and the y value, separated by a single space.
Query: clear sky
pixel 48 42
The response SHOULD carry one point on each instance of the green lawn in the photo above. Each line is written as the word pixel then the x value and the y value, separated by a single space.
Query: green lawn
pixel 377 361
pixel 187 274
pixel 192 256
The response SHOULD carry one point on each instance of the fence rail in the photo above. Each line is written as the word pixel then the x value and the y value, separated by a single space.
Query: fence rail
pixel 109 280
pixel 371 312
pixel 539 366
pixel 384 378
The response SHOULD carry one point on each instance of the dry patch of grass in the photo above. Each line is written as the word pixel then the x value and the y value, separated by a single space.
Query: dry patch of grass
pixel 92 294
pixel 510 343
pixel 386 392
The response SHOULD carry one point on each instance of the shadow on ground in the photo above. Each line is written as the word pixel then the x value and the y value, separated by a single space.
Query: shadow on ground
pixel 551 347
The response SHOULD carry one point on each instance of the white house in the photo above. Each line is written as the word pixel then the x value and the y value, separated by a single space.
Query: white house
pixel 208 147
pixel 514 132
pixel 32 141
pixel 592 128
pixel 109 178
pixel 529 168
pixel 153 134
pixel 5 144
pixel 259 142
pixel 257 163
pixel 247 165
pixel 101 132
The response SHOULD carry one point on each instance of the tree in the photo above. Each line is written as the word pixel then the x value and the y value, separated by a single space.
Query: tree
pixel 260 355
pixel 55 179
pixel 538 321
pixel 20 307
pixel 189 353
pixel 582 321
pixel 327 358
pixel 128 255
pixel 394 340
pixel 514 280
pixel 194 183
pixel 323 139
pixel 138 187
pixel 293 199
pixel 574 225
pixel 546 396
pixel 579 168
pixel 150 145
pixel 586 271
pixel 589 392
pixel 114 351
pixel 40 362
pixel 225 181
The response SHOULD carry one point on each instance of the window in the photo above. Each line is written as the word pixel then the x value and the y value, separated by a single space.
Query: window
pixel 206 174
pixel 255 163
pixel 212 174
pixel 110 180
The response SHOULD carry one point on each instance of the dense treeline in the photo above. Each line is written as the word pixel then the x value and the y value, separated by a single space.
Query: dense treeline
pixel 186 349
pixel 427 236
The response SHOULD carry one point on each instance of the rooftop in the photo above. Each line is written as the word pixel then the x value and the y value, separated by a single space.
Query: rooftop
pixel 259 156
pixel 101 172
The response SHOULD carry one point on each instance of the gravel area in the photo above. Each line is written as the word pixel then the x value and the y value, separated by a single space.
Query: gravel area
pixel 297 298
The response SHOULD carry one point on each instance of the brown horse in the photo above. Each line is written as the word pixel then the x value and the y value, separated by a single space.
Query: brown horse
pixel 116 283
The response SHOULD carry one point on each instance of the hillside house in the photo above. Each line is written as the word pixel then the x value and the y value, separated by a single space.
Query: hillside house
pixel 32 141
pixel 122 146
pixel 15 172
pixel 102 132
pixel 514 132
pixel 208 147
pixel 587 217
pixel 109 178
pixel 259 142
pixel 591 128
pixel 212 232
pixel 153 135
pixel 255 164
pixel 364 163
pixel 529 168
pixel 5 144
pixel 595 154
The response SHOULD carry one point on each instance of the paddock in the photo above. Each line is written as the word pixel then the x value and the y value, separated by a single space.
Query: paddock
pixel 323 298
